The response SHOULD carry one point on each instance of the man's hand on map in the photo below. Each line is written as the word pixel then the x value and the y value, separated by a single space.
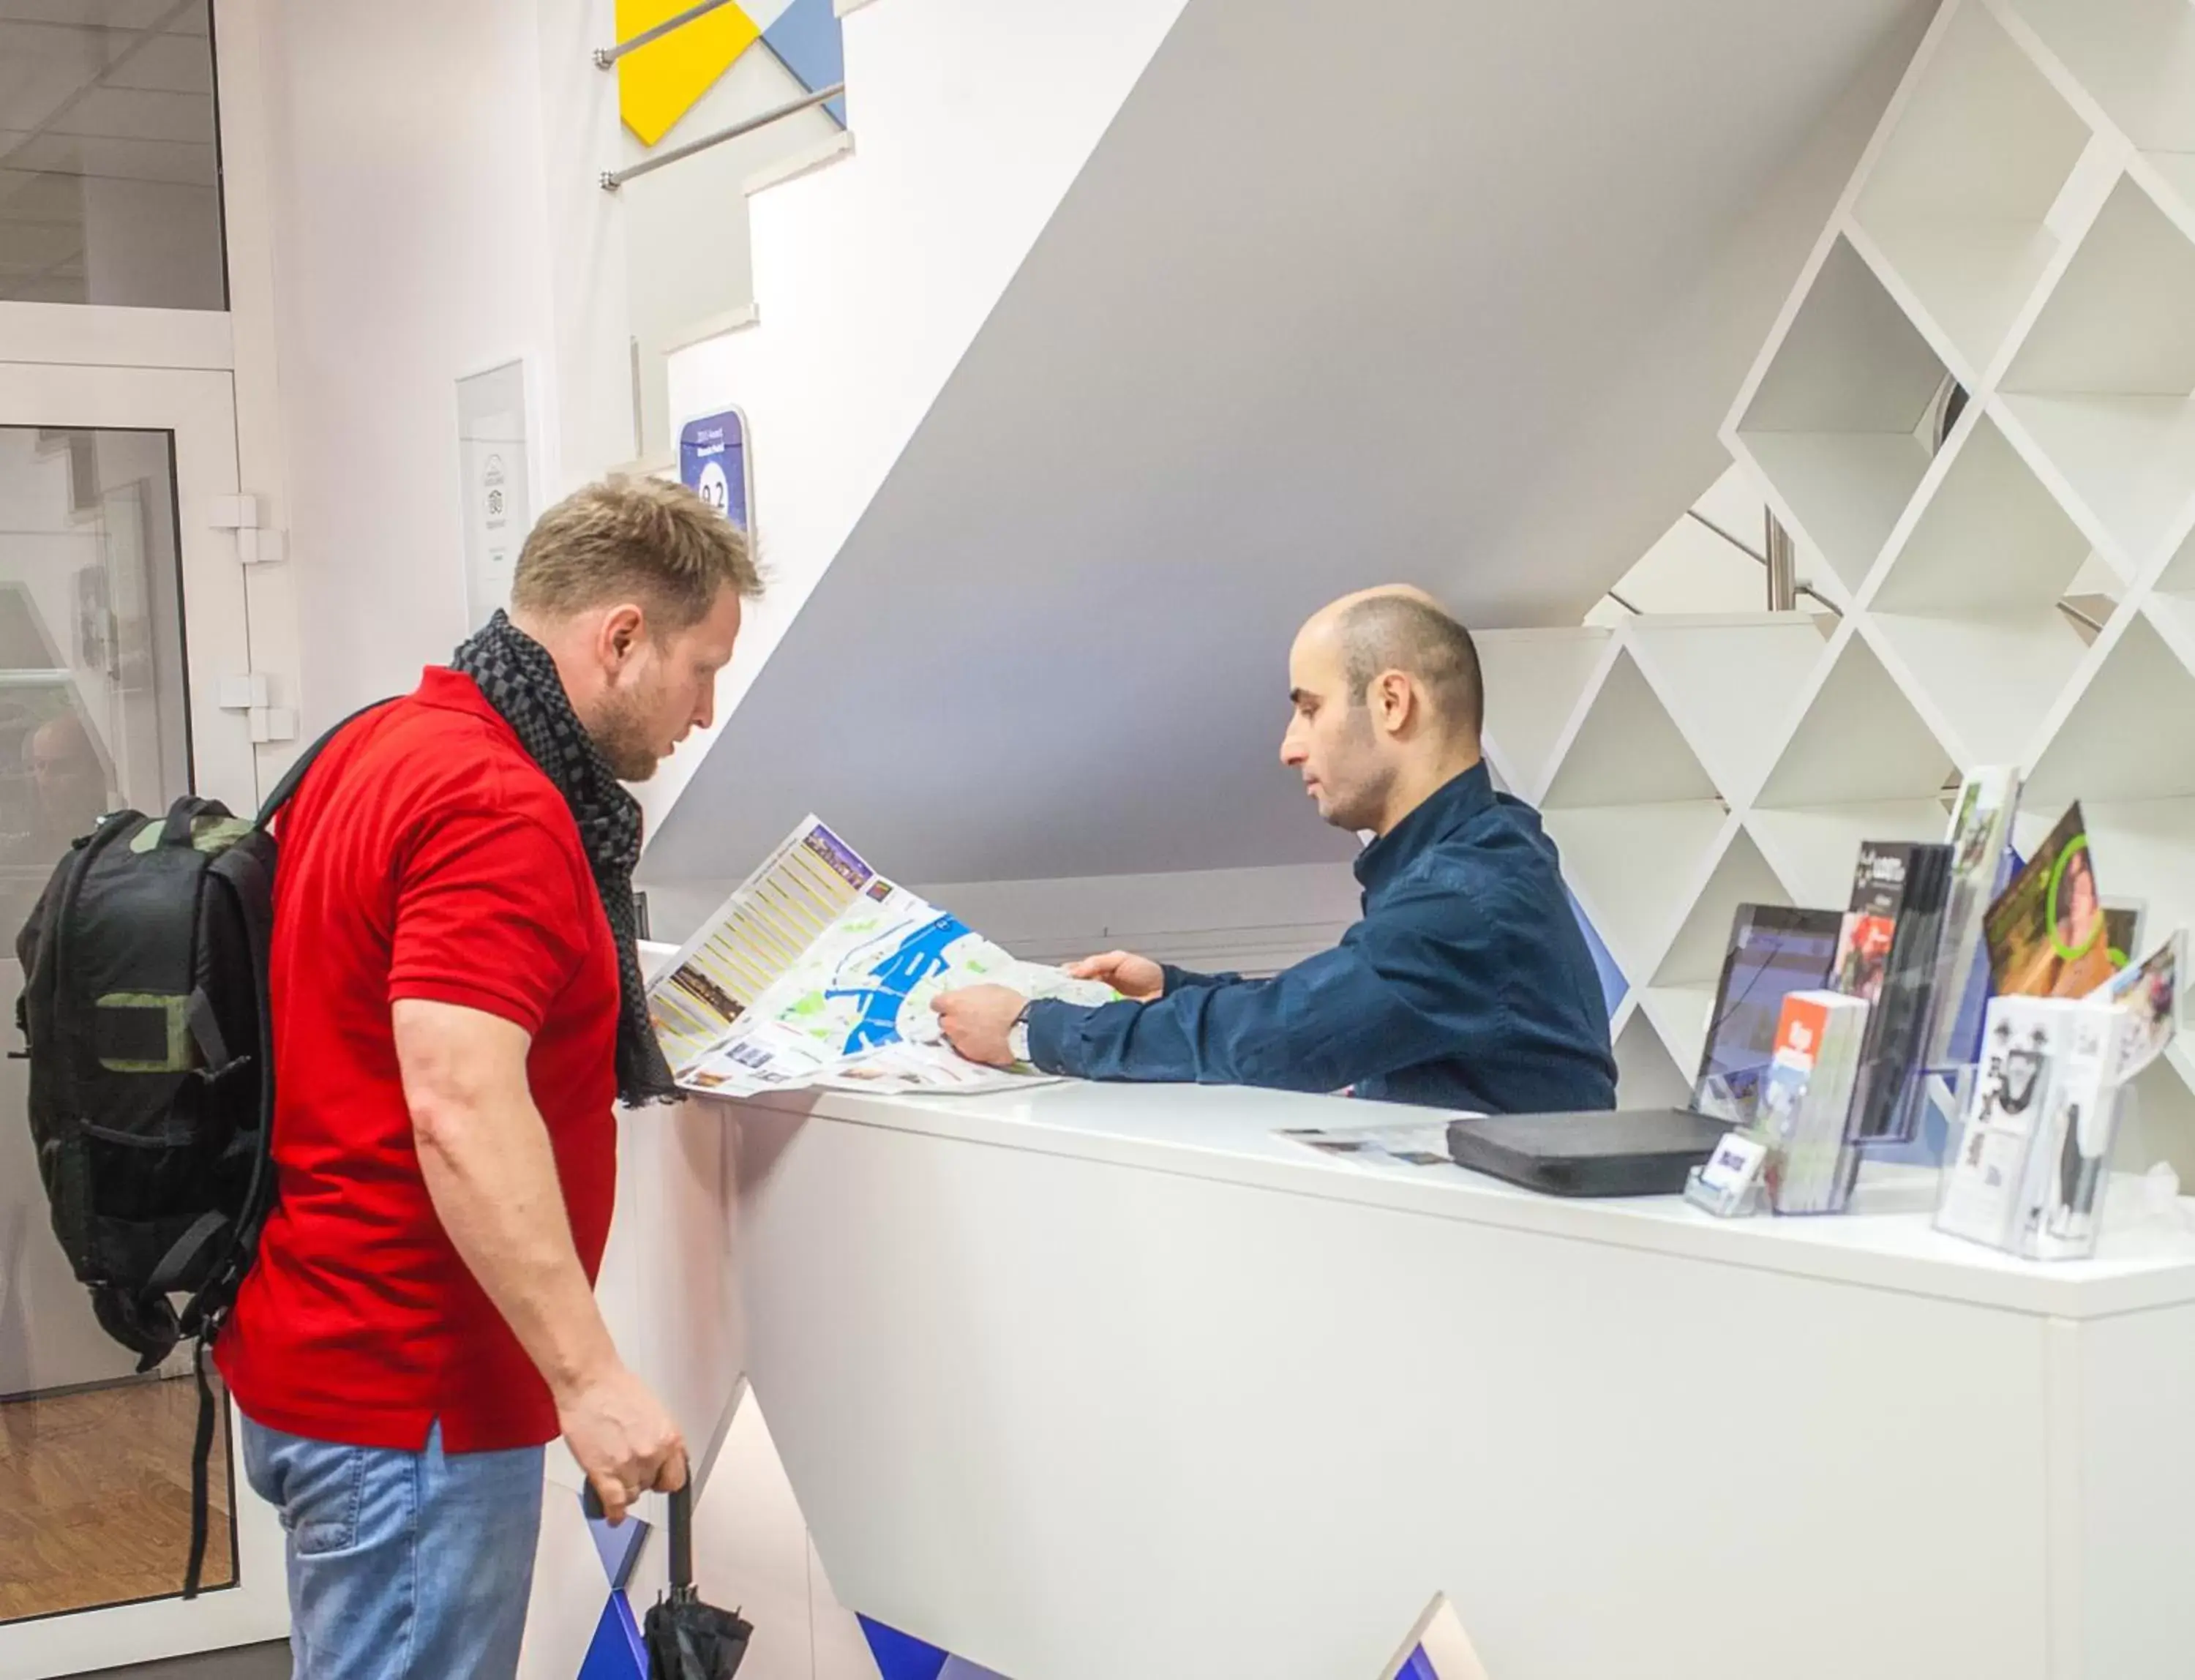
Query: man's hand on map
pixel 976 1020
pixel 1137 979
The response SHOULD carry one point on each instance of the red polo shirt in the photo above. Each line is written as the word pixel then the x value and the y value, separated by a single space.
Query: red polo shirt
pixel 426 856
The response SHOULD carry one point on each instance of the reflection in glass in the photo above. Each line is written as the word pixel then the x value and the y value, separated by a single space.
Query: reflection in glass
pixel 109 175
pixel 95 1462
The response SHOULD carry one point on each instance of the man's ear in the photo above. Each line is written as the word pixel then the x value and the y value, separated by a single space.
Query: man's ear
pixel 624 628
pixel 1396 697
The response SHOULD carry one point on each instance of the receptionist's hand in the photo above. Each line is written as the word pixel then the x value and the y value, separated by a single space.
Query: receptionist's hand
pixel 1135 978
pixel 977 1020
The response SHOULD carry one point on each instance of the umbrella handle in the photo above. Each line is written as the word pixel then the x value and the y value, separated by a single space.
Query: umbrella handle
pixel 682 1536
pixel 681 1527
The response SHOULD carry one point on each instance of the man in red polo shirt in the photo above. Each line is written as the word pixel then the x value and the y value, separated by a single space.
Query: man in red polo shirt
pixel 457 1004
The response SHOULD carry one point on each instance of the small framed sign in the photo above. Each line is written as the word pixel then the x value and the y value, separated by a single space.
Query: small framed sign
pixel 716 463
pixel 493 444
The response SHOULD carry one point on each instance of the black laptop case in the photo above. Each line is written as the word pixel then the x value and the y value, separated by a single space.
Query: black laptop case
pixel 1625 1152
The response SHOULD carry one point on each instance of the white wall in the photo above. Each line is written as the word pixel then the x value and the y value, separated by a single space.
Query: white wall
pixel 434 210
pixel 411 245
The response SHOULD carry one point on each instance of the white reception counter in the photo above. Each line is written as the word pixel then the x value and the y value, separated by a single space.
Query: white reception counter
pixel 1109 1383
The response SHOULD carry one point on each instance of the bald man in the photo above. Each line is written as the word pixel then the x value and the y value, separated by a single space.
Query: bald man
pixel 1466 985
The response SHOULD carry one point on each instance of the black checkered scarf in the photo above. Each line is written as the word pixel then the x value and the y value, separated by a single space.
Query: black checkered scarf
pixel 520 680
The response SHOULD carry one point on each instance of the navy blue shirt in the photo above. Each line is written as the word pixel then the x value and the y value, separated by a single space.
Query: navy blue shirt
pixel 1466 985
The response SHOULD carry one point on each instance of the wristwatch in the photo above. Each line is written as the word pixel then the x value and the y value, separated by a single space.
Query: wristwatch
pixel 1017 1044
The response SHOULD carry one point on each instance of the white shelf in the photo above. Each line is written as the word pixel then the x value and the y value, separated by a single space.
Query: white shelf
pixel 1813 850
pixel 1960 202
pixel 2173 173
pixel 2102 383
pixel 2173 602
pixel 1631 865
pixel 1991 538
pixel 1969 605
pixel 1859 741
pixel 1992 681
pixel 2160 1125
pixel 2129 734
pixel 1729 684
pixel 1832 422
pixel 2135 59
pixel 1533 681
pixel 1647 1076
pixel 1622 747
pixel 1680 1016
pixel 1741 875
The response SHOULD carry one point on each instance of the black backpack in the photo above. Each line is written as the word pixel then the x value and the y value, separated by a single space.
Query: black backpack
pixel 146 1010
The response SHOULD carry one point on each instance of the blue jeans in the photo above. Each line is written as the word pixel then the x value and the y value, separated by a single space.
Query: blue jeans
pixel 403 1566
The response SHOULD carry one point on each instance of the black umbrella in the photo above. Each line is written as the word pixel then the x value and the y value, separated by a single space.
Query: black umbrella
pixel 686 1639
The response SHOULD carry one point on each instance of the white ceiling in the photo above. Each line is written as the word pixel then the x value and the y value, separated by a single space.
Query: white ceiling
pixel 1455 293
pixel 95 90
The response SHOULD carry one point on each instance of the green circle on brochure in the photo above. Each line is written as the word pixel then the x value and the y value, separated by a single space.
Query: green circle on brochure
pixel 2079 843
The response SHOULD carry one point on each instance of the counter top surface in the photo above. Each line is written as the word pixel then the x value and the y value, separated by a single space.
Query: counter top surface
pixel 1230 1134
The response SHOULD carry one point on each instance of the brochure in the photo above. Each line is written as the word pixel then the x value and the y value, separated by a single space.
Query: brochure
pixel 2150 993
pixel 1807 1097
pixel 818 969
pixel 1980 828
pixel 2047 932
pixel 1983 1181
pixel 2032 1161
pixel 1408 1143
pixel 2060 1203
pixel 1886 956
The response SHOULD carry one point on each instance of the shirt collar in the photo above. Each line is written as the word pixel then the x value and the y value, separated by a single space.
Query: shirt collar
pixel 453 691
pixel 1447 809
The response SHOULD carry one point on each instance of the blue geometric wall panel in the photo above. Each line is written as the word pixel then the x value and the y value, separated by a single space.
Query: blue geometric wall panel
pixel 618 1652
pixel 1612 985
pixel 1419 1667
pixel 619 1547
pixel 900 1656
pixel 959 1668
pixel 806 39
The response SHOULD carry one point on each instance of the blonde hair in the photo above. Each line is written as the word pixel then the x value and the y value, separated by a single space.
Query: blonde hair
pixel 633 538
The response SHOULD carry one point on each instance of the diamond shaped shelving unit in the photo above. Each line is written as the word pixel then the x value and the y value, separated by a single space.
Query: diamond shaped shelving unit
pixel 2018 583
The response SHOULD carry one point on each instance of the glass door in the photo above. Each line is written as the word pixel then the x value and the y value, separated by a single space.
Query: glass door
pixel 122 608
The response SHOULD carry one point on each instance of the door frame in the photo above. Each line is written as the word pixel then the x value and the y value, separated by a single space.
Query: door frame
pixel 197 405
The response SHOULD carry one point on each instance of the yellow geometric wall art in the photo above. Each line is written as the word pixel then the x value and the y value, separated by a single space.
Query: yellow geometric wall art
pixel 661 83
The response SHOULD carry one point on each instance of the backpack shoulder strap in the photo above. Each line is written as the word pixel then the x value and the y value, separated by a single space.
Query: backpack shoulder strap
pixel 295 776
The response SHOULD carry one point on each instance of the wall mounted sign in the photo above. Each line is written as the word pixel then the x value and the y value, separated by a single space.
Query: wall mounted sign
pixel 497 489
pixel 715 463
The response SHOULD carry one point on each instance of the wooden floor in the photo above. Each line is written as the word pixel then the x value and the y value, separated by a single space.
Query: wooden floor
pixel 96 1498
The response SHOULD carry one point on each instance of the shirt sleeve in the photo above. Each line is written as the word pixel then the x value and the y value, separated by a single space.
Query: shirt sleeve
pixel 488 915
pixel 1412 983
pixel 1180 979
